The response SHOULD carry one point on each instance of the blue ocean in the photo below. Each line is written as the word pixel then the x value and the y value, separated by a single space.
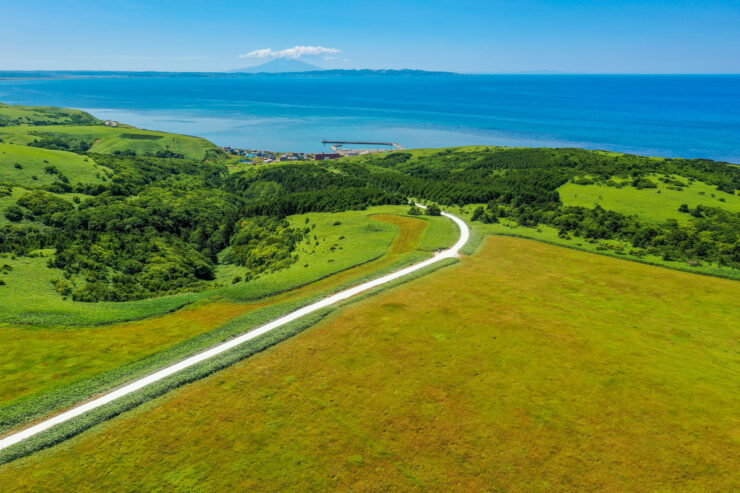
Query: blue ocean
pixel 677 116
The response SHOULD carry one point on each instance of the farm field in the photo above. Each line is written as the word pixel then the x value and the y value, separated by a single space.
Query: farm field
pixel 655 204
pixel 79 358
pixel 106 140
pixel 525 367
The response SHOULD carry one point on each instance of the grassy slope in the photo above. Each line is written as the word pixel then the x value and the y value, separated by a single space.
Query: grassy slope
pixel 526 368
pixel 43 115
pixel 652 204
pixel 604 247
pixel 71 358
pixel 108 139
pixel 79 169
pixel 31 298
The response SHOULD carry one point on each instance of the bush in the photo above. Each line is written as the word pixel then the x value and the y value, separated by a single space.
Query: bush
pixel 433 210
pixel 642 182
pixel 41 203
pixel 14 213
pixel 415 211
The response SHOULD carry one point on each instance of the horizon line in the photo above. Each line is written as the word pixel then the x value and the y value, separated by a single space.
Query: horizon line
pixel 233 72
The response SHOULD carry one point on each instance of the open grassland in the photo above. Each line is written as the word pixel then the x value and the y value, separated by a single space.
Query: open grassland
pixel 615 248
pixel 655 204
pixel 43 115
pixel 23 165
pixel 69 364
pixel 106 140
pixel 43 359
pixel 29 296
pixel 527 367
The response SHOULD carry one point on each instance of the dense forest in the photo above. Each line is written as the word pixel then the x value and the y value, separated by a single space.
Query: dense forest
pixel 156 225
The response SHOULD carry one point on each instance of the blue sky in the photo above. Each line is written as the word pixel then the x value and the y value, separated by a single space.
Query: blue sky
pixel 492 36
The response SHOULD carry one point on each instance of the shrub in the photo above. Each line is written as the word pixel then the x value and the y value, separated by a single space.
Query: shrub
pixel 433 210
pixel 14 213
pixel 41 203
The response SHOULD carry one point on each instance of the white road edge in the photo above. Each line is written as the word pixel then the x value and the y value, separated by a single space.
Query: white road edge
pixel 127 389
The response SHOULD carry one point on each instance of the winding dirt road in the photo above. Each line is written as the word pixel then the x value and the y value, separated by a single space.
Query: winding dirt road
pixel 129 388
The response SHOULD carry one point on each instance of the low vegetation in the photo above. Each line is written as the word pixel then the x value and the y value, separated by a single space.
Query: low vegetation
pixel 13 115
pixel 658 204
pixel 35 167
pixel 69 364
pixel 112 140
pixel 527 367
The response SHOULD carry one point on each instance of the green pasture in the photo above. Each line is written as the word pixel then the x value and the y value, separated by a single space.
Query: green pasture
pixel 23 165
pixel 106 140
pixel 43 115
pixel 655 204
pixel 548 234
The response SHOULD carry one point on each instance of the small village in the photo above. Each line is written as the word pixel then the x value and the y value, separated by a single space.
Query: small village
pixel 251 156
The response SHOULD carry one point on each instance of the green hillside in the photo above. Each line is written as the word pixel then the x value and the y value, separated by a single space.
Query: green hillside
pixel 656 204
pixel 11 115
pixel 34 166
pixel 112 140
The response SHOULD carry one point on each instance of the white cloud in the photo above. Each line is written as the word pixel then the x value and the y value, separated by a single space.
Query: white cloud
pixel 295 52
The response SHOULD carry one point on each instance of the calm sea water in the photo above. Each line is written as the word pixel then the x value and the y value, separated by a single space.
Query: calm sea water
pixel 681 116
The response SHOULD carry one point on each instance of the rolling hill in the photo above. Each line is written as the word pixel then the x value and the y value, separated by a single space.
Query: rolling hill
pixel 11 115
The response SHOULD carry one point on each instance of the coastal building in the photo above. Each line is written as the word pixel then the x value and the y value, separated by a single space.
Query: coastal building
pixel 326 155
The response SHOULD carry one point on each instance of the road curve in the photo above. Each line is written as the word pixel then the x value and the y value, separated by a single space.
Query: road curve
pixel 129 388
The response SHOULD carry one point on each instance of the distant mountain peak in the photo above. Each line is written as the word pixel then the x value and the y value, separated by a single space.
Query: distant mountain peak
pixel 280 65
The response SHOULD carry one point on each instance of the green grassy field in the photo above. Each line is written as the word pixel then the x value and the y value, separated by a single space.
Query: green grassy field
pixel 77 168
pixel 106 140
pixel 70 363
pixel 655 204
pixel 527 367
pixel 615 248
pixel 43 115
pixel 31 298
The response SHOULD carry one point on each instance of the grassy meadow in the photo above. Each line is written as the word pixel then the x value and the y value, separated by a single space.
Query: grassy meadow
pixel 614 248
pixel 655 204
pixel 527 367
pixel 23 165
pixel 43 115
pixel 106 140
pixel 69 363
